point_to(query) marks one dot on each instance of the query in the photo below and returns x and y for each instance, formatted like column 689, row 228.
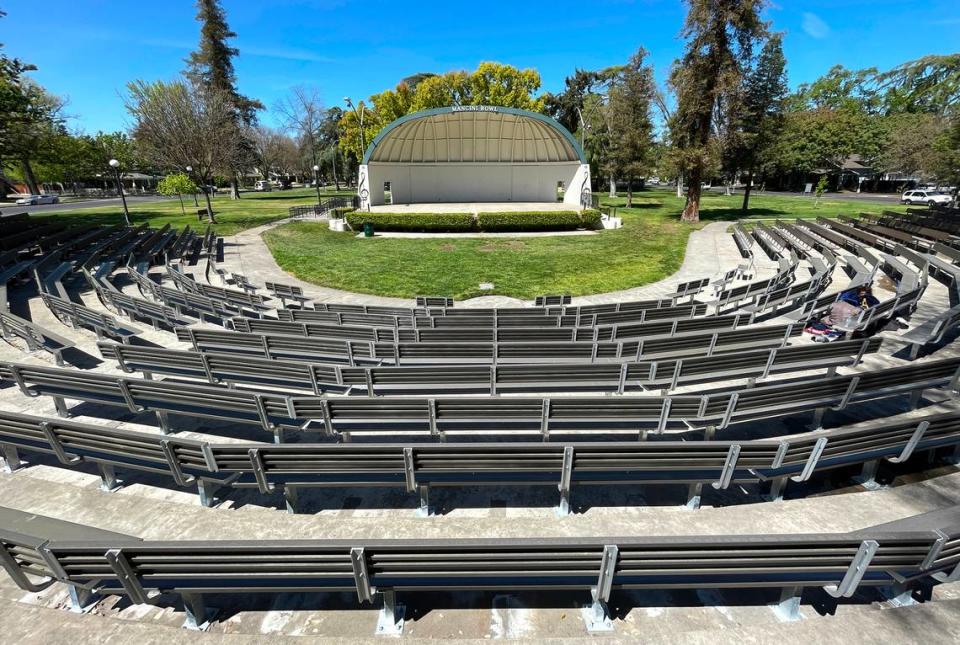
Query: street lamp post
column 363, row 142
column 196, row 204
column 116, row 173
column 316, row 183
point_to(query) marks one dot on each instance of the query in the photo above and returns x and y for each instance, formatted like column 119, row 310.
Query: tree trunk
column 29, row 177
column 630, row 193
column 234, row 188
column 336, row 182
column 195, row 202
column 691, row 211
column 679, row 185
column 746, row 192
column 613, row 186
column 180, row 197
column 210, row 216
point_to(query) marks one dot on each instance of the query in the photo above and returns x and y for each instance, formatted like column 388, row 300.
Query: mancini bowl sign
column 475, row 108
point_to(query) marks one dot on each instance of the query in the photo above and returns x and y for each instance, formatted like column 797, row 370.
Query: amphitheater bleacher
column 228, row 394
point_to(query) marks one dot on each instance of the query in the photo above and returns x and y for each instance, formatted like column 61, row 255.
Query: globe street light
column 316, row 182
column 190, row 175
column 116, row 172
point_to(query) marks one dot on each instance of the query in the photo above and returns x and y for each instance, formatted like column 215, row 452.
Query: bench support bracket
column 424, row 510
column 82, row 600
column 694, row 492
column 206, row 491
column 108, row 478
column 9, row 458
column 596, row 615
column 777, row 485
column 787, row 610
column 291, row 498
column 868, row 476
column 390, row 619
column 199, row 616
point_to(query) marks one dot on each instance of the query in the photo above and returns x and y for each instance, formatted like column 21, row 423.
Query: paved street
column 8, row 208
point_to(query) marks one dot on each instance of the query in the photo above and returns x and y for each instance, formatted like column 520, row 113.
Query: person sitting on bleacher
column 849, row 305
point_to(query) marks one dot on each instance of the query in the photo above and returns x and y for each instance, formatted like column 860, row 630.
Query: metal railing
column 324, row 208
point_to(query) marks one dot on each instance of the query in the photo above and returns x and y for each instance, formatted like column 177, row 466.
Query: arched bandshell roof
column 474, row 134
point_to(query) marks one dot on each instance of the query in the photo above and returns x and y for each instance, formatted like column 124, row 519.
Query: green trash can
column 368, row 229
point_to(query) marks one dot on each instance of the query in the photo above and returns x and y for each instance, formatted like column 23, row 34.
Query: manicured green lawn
column 649, row 247
column 233, row 215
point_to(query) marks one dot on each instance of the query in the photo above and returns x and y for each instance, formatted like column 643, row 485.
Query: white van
column 263, row 186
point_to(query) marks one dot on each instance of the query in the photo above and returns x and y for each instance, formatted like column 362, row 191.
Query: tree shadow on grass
column 726, row 214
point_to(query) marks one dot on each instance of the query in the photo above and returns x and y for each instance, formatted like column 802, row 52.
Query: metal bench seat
column 414, row 466
column 931, row 331
column 506, row 333
column 274, row 411
column 919, row 549
column 35, row 336
column 226, row 368
column 285, row 292
column 323, row 350
column 77, row 315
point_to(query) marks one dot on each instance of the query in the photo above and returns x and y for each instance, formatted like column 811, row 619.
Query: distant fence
column 324, row 208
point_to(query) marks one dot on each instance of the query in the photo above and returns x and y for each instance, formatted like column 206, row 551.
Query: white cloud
column 814, row 26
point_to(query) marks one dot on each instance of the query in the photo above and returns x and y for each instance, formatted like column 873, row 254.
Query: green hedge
column 413, row 222
column 538, row 221
column 467, row 222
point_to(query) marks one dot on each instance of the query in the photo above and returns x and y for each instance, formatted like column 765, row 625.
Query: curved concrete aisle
column 710, row 251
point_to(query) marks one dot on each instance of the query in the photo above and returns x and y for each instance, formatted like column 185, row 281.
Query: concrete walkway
column 710, row 251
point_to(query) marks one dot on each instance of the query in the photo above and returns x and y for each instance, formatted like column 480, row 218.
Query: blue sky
column 87, row 50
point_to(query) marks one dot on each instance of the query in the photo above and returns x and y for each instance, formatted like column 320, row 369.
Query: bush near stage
column 413, row 222
column 467, row 222
column 537, row 221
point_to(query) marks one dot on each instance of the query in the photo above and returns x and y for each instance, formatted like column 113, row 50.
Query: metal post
column 206, row 491
column 424, row 509
column 596, row 615
column 116, row 173
column 199, row 616
column 291, row 498
column 9, row 459
column 787, row 609
column 868, row 476
column 390, row 619
column 82, row 600
column 108, row 478
column 693, row 496
column 776, row 489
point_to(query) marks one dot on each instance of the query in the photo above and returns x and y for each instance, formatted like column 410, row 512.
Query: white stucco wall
column 466, row 182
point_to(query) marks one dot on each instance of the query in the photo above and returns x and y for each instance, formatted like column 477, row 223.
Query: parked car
column 36, row 200
column 929, row 197
column 263, row 186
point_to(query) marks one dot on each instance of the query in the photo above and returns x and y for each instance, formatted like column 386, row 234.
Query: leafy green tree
column 720, row 38
column 628, row 109
column 910, row 145
column 490, row 84
column 177, row 184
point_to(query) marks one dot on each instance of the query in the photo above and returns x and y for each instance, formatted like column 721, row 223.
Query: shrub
column 530, row 221
column 591, row 218
column 413, row 222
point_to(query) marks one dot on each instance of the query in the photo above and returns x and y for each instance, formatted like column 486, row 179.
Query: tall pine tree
column 720, row 38
column 211, row 66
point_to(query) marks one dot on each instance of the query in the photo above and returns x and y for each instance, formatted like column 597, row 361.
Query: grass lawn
column 649, row 247
column 233, row 215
